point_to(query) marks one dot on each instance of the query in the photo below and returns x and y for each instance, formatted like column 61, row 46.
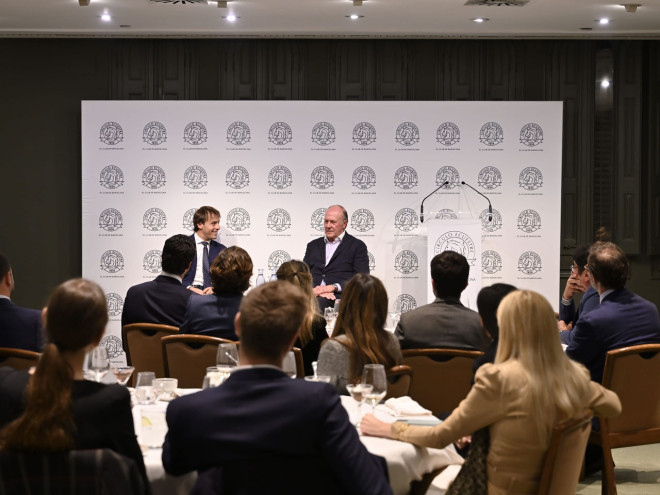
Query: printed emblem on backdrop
column 490, row 178
column 195, row 133
column 364, row 134
column 113, row 344
column 406, row 219
column 279, row 177
column 318, row 219
column 111, row 177
column 152, row 261
column 195, row 177
column 364, row 177
column 405, row 177
column 457, row 241
column 188, row 219
column 112, row 261
column 530, row 178
column 154, row 219
column 238, row 219
column 279, row 220
column 237, row 177
column 276, row 259
column 446, row 214
column 491, row 134
column 406, row 262
column 280, row 133
column 529, row 221
column 362, row 220
column 404, row 303
column 238, row 133
column 447, row 174
column 115, row 303
column 407, row 134
column 372, row 261
column 491, row 262
column 490, row 225
column 531, row 134
column 529, row 263
column 322, row 177
column 111, row 133
column 323, row 134
column 448, row 134
column 110, row 220
column 153, row 177
column 154, row 133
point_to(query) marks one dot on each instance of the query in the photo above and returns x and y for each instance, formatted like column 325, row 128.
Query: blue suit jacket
column 590, row 299
column 269, row 434
column 212, row 315
column 214, row 249
column 162, row 300
column 622, row 319
column 351, row 257
column 20, row 328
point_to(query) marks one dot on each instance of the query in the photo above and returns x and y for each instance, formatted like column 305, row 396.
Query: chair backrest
column 142, row 345
column 93, row 472
column 300, row 364
column 19, row 359
column 187, row 356
column 443, row 377
column 398, row 381
column 563, row 460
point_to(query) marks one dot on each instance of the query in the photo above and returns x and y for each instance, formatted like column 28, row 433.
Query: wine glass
column 330, row 316
column 99, row 362
column 359, row 393
column 337, row 302
column 391, row 321
column 122, row 373
column 226, row 359
column 289, row 364
column 374, row 375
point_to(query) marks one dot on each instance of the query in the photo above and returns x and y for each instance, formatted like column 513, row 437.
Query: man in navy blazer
column 336, row 257
column 579, row 281
column 206, row 221
column 263, row 432
column 20, row 328
column 621, row 319
column 162, row 300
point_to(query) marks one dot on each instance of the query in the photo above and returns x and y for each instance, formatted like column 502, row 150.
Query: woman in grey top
column 359, row 337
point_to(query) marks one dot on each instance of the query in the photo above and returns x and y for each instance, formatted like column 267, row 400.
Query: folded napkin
column 405, row 406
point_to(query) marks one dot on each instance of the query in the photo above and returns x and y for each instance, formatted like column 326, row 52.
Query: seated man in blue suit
column 580, row 282
column 263, row 432
column 206, row 222
column 334, row 258
column 621, row 319
column 162, row 300
column 20, row 328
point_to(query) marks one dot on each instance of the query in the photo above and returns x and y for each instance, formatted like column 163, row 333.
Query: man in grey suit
column 444, row 323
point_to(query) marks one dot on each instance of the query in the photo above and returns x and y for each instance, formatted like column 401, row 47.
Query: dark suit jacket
column 162, row 300
column 20, row 328
column 590, row 299
column 259, row 422
column 351, row 257
column 212, row 315
column 621, row 320
column 214, row 249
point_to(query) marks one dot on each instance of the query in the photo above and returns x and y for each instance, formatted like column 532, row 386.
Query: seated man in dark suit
column 20, row 328
column 578, row 282
column 621, row 319
column 262, row 432
column 334, row 258
column 206, row 223
column 162, row 300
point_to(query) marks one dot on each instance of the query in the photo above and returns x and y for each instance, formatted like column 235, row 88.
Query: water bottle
column 260, row 278
column 273, row 277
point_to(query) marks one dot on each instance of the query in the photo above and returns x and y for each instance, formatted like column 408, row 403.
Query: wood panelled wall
column 611, row 156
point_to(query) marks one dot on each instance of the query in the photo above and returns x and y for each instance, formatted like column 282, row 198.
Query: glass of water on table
column 359, row 393
column 374, row 375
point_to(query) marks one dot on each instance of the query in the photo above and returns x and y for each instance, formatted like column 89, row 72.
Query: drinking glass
column 99, row 362
column 165, row 388
column 289, row 364
column 330, row 318
column 337, row 302
column 226, row 359
column 144, row 390
column 391, row 321
column 122, row 373
column 374, row 375
column 359, row 393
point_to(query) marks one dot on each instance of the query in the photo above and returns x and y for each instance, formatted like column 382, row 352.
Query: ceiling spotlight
column 357, row 3
column 106, row 17
column 631, row 7
column 354, row 17
column 230, row 18
column 480, row 19
column 604, row 84
column 603, row 21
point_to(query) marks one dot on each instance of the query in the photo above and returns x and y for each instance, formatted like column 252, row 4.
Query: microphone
column 421, row 208
column 490, row 207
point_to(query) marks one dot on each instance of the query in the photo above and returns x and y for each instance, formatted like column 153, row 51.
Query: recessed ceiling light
column 230, row 17
column 124, row 25
column 604, row 84
column 603, row 20
column 354, row 17
column 106, row 17
column 480, row 19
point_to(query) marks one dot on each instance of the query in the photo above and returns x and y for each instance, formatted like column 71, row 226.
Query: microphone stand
column 490, row 207
column 421, row 207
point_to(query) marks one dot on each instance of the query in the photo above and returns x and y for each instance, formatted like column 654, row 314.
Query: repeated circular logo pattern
column 153, row 177
column 280, row 177
column 323, row 134
column 322, row 178
column 406, row 178
column 530, row 178
column 152, row 261
column 407, row 134
column 115, row 304
column 491, row 134
column 195, row 177
column 364, row 134
column 364, row 177
column 406, row 262
column 111, row 177
column 280, row 134
column 111, row 220
column 531, row 135
column 195, row 133
column 362, row 220
column 238, row 133
column 491, row 262
column 448, row 134
column 154, row 133
column 112, row 261
column 490, row 178
column 447, row 174
column 238, row 219
column 529, row 263
column 278, row 220
column 406, row 219
column 237, row 177
column 276, row 258
column 111, row 133
column 154, row 219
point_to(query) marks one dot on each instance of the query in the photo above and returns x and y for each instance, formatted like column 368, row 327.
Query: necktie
column 205, row 265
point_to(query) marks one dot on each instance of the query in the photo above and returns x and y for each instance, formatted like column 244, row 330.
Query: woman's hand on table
column 371, row 426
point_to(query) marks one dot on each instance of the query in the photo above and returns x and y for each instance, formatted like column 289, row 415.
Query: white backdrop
column 273, row 167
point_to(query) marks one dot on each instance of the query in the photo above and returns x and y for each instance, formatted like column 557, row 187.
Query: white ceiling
column 327, row 19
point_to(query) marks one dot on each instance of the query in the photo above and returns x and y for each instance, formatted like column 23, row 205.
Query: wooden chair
column 19, row 359
column 187, row 356
column 143, row 349
column 443, row 377
column 300, row 365
column 633, row 373
column 398, row 381
column 563, row 460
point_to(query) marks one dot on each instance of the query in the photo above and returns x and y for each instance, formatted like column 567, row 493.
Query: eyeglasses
column 586, row 267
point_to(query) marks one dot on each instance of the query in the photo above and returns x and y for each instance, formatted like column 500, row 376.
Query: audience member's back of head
column 580, row 256
column 608, row 265
column 231, row 271
column 297, row 273
column 178, row 251
column 449, row 271
column 4, row 266
column 488, row 301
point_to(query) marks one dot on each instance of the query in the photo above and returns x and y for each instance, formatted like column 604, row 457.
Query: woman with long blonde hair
column 531, row 386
